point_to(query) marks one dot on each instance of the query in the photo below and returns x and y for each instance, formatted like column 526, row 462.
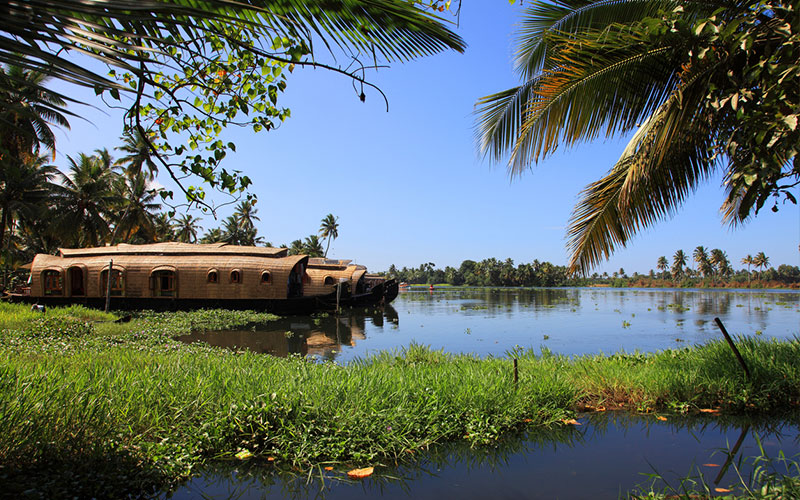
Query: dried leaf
column 329, row 468
column 361, row 473
column 710, row 465
column 722, row 490
column 708, row 410
column 270, row 459
column 663, row 419
column 570, row 421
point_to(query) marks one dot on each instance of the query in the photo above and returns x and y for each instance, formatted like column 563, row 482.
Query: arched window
column 52, row 283
column 236, row 276
column 213, row 276
column 266, row 277
column 329, row 280
column 164, row 282
column 117, row 282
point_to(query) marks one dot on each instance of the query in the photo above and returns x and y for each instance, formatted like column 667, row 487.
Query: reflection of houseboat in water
column 182, row 275
column 322, row 336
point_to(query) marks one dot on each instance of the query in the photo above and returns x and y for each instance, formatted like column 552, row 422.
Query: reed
column 76, row 393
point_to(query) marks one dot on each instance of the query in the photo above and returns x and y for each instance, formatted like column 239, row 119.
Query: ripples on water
column 493, row 321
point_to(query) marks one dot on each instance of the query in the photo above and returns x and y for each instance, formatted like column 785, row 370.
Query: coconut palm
column 162, row 227
column 761, row 261
column 245, row 214
column 137, row 222
column 720, row 263
column 145, row 36
column 84, row 199
column 186, row 228
column 214, row 235
column 25, row 187
column 662, row 265
column 312, row 246
column 296, row 248
column 597, row 67
column 138, row 153
column 700, row 256
column 678, row 264
column 748, row 261
column 27, row 109
column 329, row 230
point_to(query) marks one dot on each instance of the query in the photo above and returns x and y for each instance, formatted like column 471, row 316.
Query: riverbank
column 126, row 403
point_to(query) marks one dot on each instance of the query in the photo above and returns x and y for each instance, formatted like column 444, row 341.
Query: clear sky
column 409, row 187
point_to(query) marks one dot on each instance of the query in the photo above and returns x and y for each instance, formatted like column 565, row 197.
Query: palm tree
column 245, row 214
column 312, row 246
column 662, row 265
column 138, row 217
column 719, row 259
column 678, row 264
column 748, row 261
column 761, row 261
column 84, row 199
column 27, row 109
column 186, row 228
column 329, row 230
column 25, row 188
column 392, row 30
column 213, row 236
column 701, row 258
column 162, row 227
column 296, row 248
column 139, row 153
column 597, row 67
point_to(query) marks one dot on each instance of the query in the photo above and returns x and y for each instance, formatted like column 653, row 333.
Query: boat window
column 236, row 276
column 117, row 282
column 266, row 277
column 329, row 280
column 163, row 283
column 212, row 276
column 52, row 282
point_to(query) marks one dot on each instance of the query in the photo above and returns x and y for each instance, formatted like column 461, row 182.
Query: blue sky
column 409, row 186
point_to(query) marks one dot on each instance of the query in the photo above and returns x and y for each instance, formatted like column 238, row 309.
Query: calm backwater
column 609, row 455
column 604, row 457
column 493, row 321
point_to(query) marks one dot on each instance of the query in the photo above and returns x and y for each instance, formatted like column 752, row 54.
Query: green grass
column 140, row 409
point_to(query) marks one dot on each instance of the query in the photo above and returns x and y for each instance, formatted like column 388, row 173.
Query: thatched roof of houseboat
column 174, row 248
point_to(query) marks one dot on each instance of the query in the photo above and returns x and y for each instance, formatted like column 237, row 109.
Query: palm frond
column 41, row 35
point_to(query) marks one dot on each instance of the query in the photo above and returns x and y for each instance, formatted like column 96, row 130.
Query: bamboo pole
column 733, row 347
column 108, row 284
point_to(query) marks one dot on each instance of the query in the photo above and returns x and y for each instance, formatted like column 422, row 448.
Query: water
column 494, row 321
column 602, row 458
column 608, row 455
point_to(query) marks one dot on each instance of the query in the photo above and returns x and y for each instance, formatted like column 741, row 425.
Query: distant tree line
column 488, row 272
column 712, row 269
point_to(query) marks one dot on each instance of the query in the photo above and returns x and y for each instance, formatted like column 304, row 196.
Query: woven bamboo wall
column 318, row 273
column 191, row 273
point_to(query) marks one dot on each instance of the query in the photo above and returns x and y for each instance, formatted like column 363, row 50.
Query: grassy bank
column 128, row 403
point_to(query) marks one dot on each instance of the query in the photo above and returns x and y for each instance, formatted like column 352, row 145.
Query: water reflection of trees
column 318, row 483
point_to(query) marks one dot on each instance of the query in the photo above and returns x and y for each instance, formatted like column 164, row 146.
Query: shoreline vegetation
column 92, row 407
column 711, row 272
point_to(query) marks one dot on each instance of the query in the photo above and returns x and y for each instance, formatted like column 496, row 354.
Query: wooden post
column 733, row 347
column 108, row 285
column 516, row 373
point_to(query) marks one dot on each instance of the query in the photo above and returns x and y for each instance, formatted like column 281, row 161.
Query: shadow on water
column 605, row 457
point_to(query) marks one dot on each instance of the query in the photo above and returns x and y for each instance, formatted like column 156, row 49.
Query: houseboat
column 173, row 276
column 185, row 276
column 347, row 283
